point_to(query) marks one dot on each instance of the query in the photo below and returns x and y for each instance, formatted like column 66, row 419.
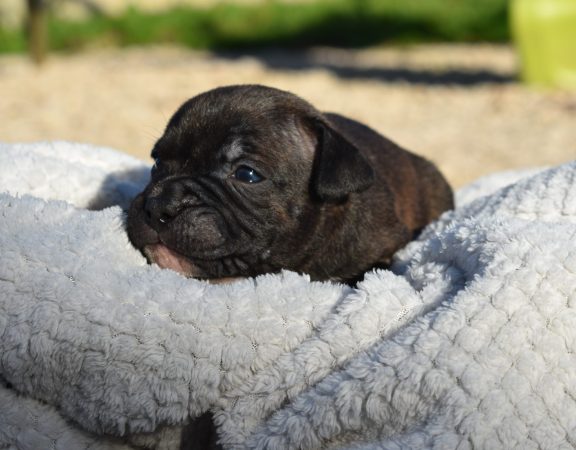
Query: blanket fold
column 467, row 342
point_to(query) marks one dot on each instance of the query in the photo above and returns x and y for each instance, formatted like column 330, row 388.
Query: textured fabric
column 468, row 342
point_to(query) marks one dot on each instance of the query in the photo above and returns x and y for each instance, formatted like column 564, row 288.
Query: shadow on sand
column 302, row 61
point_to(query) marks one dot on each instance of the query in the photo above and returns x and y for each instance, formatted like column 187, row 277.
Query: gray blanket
column 467, row 342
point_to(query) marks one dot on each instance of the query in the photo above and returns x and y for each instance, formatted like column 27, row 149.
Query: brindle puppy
column 249, row 180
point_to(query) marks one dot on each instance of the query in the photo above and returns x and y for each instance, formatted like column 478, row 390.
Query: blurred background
column 476, row 86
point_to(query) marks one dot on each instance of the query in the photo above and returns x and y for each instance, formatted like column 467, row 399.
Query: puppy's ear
column 339, row 167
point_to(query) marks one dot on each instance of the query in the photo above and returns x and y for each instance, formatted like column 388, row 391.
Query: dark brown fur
column 337, row 198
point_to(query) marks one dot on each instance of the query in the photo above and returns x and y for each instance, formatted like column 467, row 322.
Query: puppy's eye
column 247, row 174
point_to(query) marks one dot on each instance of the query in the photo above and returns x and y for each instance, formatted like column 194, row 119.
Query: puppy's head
column 241, row 177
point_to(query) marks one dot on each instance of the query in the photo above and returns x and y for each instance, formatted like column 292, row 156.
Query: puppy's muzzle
column 183, row 220
column 167, row 200
column 160, row 211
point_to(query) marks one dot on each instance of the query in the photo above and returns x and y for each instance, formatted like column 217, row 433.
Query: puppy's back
column 421, row 193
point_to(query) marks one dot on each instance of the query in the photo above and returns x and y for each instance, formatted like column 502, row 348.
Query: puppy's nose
column 159, row 210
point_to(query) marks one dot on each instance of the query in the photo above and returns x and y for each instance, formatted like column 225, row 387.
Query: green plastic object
column 545, row 35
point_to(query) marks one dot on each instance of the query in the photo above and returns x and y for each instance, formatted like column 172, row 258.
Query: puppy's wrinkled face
column 229, row 187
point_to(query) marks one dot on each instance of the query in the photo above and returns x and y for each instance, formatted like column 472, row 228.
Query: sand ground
column 457, row 105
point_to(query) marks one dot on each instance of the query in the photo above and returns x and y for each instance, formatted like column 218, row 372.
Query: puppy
column 249, row 180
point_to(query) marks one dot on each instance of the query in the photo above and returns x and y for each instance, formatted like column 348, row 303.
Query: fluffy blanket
column 468, row 341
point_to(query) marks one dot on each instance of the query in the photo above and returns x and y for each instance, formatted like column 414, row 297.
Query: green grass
column 345, row 23
column 12, row 41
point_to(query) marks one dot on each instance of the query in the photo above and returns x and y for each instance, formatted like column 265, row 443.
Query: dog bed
column 468, row 341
